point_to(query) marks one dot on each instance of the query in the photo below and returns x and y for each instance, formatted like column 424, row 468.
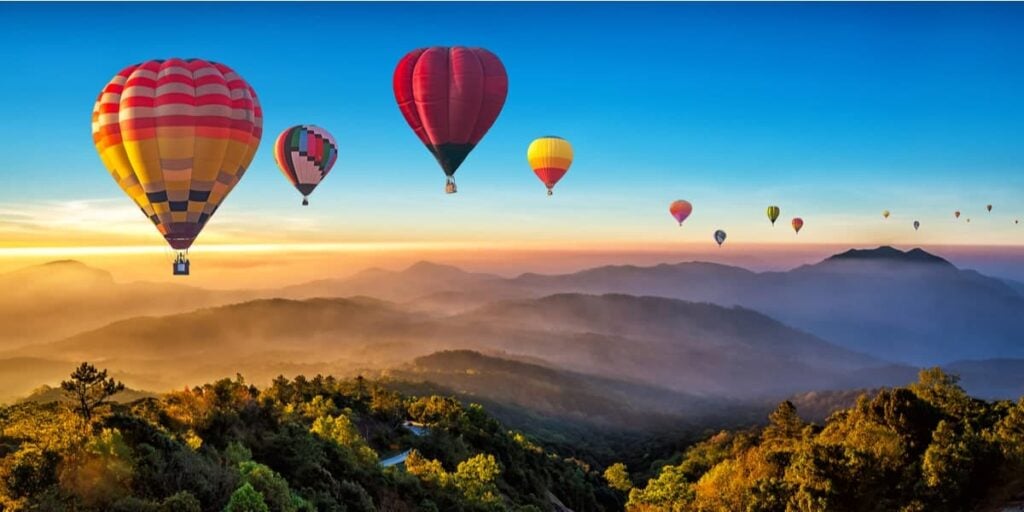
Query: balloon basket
column 305, row 201
column 181, row 265
column 449, row 186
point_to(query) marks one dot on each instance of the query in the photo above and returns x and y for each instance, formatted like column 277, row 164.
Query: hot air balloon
column 968, row 220
column 988, row 207
column 720, row 237
column 885, row 213
column 177, row 136
column 797, row 224
column 680, row 210
column 956, row 214
column 450, row 97
column 550, row 158
column 305, row 154
column 773, row 213
column 916, row 225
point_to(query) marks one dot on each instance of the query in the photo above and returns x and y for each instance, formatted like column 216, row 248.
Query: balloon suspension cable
column 305, row 201
column 449, row 185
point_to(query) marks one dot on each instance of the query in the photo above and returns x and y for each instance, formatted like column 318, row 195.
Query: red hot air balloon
column 450, row 97
column 680, row 210
column 797, row 224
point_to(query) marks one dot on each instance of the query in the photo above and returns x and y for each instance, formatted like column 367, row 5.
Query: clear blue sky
column 834, row 111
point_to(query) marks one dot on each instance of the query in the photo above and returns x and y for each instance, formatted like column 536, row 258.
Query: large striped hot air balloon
column 680, row 210
column 550, row 158
column 450, row 97
column 177, row 135
column 773, row 214
column 305, row 154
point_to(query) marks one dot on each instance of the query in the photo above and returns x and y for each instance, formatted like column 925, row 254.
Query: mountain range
column 685, row 332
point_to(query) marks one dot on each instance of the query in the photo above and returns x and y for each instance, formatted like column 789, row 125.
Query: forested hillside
column 298, row 445
column 926, row 447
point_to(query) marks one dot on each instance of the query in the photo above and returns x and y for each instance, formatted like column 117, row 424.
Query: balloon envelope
column 797, row 224
column 956, row 214
column 988, row 207
column 450, row 97
column 550, row 158
column 177, row 135
column 305, row 154
column 720, row 237
column 680, row 210
column 916, row 225
column 773, row 213
column 885, row 213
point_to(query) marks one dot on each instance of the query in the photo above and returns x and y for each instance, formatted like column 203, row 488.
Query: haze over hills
column 558, row 393
column 845, row 322
column 58, row 299
column 664, row 342
column 907, row 306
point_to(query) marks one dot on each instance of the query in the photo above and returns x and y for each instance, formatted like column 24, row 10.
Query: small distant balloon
column 885, row 213
column 988, row 207
column 680, row 210
column 773, row 213
column 720, row 237
column 916, row 225
column 550, row 158
column 305, row 154
column 956, row 214
column 797, row 224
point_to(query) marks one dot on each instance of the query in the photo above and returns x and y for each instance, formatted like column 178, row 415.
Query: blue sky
column 833, row 111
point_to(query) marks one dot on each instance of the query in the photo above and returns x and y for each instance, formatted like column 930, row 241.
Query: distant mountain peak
column 429, row 266
column 64, row 263
column 59, row 270
column 889, row 254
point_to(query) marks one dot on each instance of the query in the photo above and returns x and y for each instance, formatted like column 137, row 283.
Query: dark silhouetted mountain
column 890, row 255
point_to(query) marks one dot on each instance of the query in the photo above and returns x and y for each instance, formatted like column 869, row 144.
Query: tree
column 246, row 499
column 182, row 501
column 783, row 423
column 476, row 476
column 344, row 434
column 90, row 388
column 618, row 477
column 943, row 391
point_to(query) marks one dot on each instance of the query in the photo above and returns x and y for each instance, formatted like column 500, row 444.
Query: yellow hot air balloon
column 550, row 158
column 885, row 213
column 773, row 213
